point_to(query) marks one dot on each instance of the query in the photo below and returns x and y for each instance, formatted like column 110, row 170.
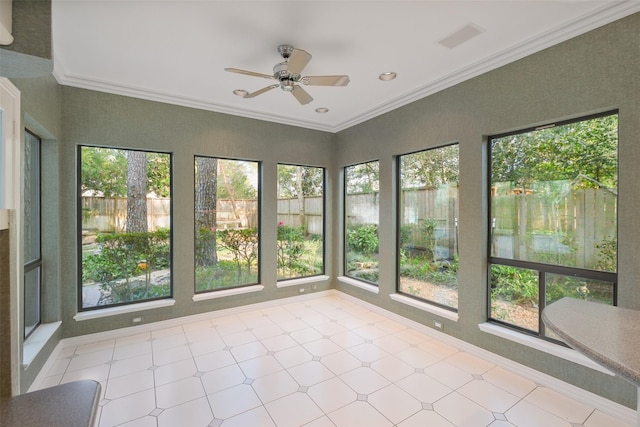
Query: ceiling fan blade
column 249, row 73
column 298, row 60
column 325, row 80
column 301, row 95
column 260, row 92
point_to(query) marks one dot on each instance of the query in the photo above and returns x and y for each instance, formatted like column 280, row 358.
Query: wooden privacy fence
column 551, row 219
column 563, row 223
column 109, row 215
column 435, row 209
column 289, row 214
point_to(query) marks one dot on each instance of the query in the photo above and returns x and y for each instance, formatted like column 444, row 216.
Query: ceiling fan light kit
column 288, row 74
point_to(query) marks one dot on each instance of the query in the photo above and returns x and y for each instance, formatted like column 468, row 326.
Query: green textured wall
column 596, row 72
column 96, row 118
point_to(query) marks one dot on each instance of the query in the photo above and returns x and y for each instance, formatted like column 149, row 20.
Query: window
column 361, row 206
column 300, row 221
column 553, row 218
column 428, row 225
column 126, row 240
column 32, row 228
column 226, row 223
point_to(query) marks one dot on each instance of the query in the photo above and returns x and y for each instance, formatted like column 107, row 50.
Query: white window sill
column 302, row 281
column 123, row 309
column 542, row 345
column 37, row 341
column 425, row 306
column 359, row 284
column 227, row 292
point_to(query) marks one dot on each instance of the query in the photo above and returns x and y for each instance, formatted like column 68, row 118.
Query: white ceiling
column 175, row 51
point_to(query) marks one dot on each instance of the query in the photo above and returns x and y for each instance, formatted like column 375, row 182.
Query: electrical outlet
column 438, row 325
column 136, row 320
column 301, row 290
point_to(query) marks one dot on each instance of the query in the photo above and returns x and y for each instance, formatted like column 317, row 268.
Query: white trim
column 359, row 284
column 36, row 342
column 425, row 306
column 301, row 281
column 10, row 144
column 542, row 345
column 123, row 309
column 226, row 293
column 11, row 184
column 609, row 12
column 606, row 406
column 178, row 321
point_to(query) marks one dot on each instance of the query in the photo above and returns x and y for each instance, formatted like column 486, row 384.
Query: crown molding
column 587, row 22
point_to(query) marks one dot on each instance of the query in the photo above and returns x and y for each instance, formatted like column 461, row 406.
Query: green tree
column 136, row 192
column 585, row 150
column 430, row 168
column 363, row 178
column 234, row 183
column 159, row 174
column 103, row 170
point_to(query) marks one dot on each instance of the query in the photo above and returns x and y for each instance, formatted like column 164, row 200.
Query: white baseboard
column 593, row 400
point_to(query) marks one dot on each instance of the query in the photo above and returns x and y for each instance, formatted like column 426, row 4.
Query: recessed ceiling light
column 322, row 110
column 240, row 92
column 389, row 75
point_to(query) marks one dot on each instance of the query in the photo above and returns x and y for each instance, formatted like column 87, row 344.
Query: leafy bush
column 363, row 238
column 121, row 257
column 513, row 284
column 242, row 243
column 222, row 275
column 607, row 255
column 292, row 252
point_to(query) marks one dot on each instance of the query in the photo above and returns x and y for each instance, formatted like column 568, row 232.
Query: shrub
column 123, row 255
column 363, row 238
column 517, row 285
column 242, row 243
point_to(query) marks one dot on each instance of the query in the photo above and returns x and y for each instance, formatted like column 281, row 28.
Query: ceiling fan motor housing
column 286, row 79
column 287, row 73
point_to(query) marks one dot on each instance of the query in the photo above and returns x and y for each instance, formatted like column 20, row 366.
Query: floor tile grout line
column 192, row 356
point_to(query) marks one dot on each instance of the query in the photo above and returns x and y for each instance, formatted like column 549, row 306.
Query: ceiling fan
column 289, row 77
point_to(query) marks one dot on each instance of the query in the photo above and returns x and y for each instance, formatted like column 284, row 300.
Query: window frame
column 79, row 224
column 324, row 222
column 344, row 222
column 541, row 268
column 258, row 219
column 35, row 264
column 398, row 207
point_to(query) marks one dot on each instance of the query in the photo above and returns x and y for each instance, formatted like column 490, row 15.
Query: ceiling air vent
column 463, row 35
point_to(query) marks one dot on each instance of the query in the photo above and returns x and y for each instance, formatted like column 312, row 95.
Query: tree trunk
column 136, row 192
column 206, row 200
column 301, row 211
column 230, row 192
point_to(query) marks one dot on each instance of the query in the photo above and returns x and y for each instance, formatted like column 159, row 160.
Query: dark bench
column 67, row 405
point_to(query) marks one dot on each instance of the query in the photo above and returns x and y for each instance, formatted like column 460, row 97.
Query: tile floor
column 323, row 362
